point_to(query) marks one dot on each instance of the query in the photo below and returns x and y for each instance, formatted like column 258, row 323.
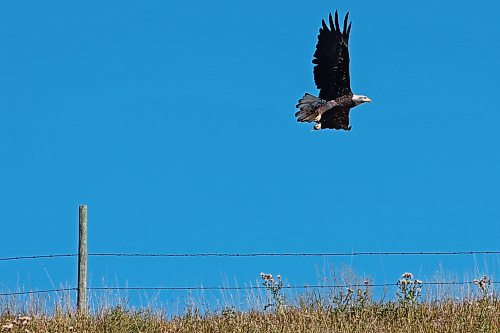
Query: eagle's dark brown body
column 337, row 116
column 332, row 114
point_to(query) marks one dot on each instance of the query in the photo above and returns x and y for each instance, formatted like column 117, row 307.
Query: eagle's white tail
column 308, row 106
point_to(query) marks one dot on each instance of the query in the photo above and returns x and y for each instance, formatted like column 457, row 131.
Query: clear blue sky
column 173, row 121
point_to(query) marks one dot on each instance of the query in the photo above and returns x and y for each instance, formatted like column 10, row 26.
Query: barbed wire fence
column 261, row 254
column 82, row 256
column 221, row 288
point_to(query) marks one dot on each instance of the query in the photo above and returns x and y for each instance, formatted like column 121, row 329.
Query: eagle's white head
column 360, row 99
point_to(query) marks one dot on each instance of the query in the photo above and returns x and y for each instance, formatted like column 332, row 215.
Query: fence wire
column 322, row 286
column 42, row 256
column 34, row 292
column 261, row 254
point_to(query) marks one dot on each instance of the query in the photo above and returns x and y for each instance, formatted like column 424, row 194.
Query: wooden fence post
column 81, row 302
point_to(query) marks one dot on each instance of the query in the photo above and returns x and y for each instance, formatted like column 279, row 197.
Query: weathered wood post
column 81, row 302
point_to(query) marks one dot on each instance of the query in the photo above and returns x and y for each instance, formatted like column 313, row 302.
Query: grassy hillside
column 337, row 310
column 448, row 316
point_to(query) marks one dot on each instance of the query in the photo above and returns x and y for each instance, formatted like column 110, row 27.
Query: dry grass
column 477, row 316
column 336, row 310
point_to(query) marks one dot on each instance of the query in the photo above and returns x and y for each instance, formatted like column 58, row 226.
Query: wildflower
column 7, row 326
column 418, row 281
column 265, row 276
column 24, row 320
column 367, row 282
column 476, row 282
column 403, row 282
column 407, row 275
column 278, row 277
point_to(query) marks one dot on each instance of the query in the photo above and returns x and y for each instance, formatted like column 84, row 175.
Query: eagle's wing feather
column 331, row 59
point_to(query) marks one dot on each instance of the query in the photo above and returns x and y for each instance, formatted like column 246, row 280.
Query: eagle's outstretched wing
column 331, row 59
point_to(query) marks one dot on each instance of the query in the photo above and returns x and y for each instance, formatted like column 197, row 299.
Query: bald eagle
column 331, row 75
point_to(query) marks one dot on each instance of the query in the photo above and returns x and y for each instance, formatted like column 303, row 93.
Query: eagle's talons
column 318, row 118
